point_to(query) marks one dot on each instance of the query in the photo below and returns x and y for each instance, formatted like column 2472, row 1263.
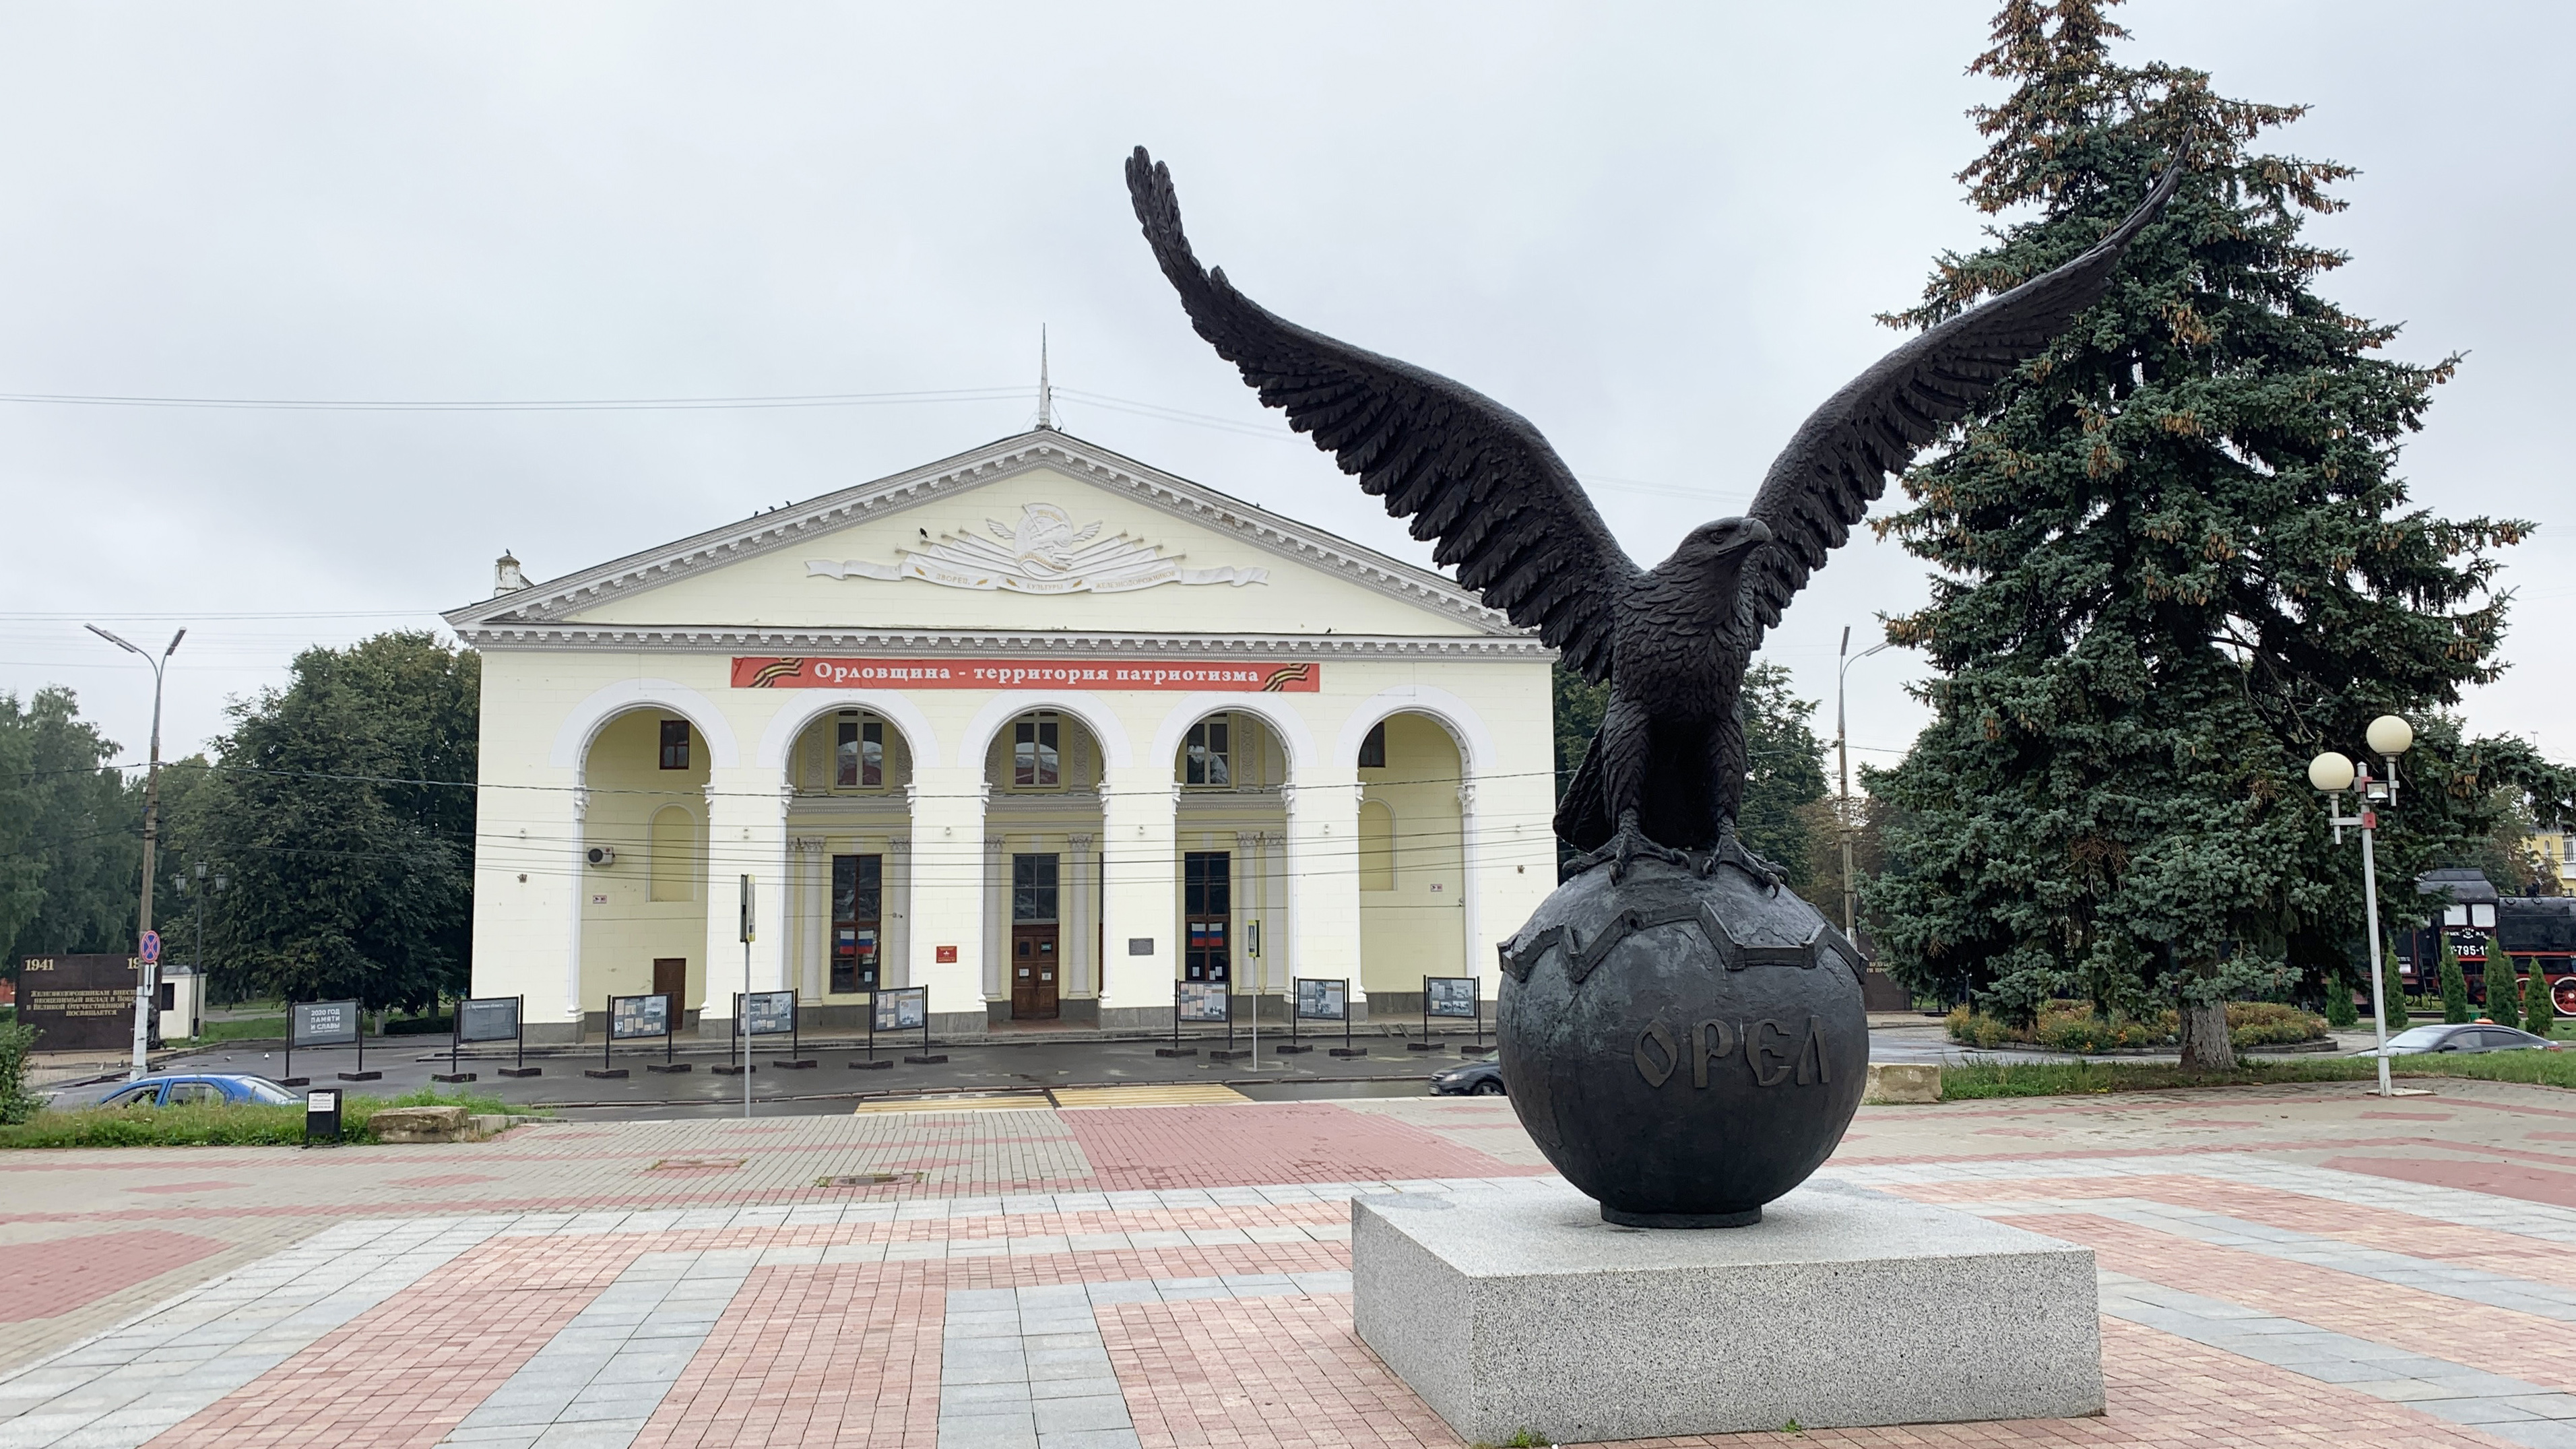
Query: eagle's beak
column 1753, row 534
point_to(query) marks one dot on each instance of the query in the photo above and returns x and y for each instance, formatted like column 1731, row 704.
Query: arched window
column 858, row 752
column 1037, row 760
column 1377, row 846
column 675, row 854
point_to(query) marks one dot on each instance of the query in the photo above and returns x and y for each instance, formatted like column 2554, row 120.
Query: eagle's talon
column 1625, row 845
column 1730, row 850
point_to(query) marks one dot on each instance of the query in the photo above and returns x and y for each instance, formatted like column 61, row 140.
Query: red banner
column 1260, row 676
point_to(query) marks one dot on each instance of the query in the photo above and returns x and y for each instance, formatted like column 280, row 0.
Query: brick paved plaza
column 2282, row 1267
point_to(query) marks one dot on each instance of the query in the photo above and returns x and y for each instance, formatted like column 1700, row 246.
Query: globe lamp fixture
column 2331, row 772
column 2390, row 735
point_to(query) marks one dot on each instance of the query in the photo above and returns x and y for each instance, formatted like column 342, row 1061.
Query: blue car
column 179, row 1089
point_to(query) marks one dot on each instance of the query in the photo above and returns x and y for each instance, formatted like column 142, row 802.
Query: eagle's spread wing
column 1468, row 471
column 1838, row 462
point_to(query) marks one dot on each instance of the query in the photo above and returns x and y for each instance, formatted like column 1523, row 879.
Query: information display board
column 325, row 1024
column 902, row 1008
column 1456, row 998
column 322, row 1023
column 1204, row 1001
column 78, row 1003
column 488, row 1018
column 1449, row 996
column 769, row 1013
column 485, row 1019
column 1320, row 998
column 630, row 1017
column 634, row 1017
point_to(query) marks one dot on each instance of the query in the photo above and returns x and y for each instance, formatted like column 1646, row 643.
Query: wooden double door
column 1035, row 971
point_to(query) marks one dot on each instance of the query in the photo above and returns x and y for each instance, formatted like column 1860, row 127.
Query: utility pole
column 143, row 979
column 1842, row 752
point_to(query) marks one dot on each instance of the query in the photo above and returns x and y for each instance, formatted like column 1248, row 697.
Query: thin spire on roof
column 1046, row 393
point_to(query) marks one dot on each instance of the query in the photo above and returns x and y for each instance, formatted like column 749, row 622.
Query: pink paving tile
column 1178, row 1147
column 813, row 1356
column 60, row 1274
column 2505, row 1179
column 1266, row 1371
column 209, row 1186
column 408, row 1370
column 442, row 1179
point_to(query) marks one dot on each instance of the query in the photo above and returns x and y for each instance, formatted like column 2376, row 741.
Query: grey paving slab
column 596, row 1383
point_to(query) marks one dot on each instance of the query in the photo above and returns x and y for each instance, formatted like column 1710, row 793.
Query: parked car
column 177, row 1089
column 1473, row 1079
column 2475, row 1037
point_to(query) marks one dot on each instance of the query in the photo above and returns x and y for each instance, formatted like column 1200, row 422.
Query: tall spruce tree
column 2173, row 561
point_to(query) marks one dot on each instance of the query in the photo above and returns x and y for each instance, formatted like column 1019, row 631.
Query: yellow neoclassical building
column 1038, row 727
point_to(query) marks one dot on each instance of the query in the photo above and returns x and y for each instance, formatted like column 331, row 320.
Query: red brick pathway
column 406, row 1371
column 832, row 1355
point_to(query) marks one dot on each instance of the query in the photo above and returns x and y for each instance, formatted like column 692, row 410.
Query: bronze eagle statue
column 1664, row 774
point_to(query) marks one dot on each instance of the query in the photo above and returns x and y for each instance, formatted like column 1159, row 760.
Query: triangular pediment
column 1040, row 532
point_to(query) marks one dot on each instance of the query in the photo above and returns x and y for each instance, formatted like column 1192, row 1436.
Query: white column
column 1481, row 962
column 746, row 835
column 580, row 884
column 1074, row 940
column 1324, row 874
column 946, row 899
column 807, row 938
column 997, row 918
column 1142, row 899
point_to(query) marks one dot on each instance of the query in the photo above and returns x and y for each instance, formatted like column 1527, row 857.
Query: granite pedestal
column 1517, row 1308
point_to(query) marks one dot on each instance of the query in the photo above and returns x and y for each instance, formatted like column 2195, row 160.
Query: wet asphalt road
column 832, row 1085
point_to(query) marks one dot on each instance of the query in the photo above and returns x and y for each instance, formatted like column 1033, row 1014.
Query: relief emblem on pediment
column 1044, row 552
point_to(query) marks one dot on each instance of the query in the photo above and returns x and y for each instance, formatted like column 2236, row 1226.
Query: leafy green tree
column 2173, row 561
column 71, row 832
column 2392, row 988
column 1579, row 707
column 1785, row 775
column 2455, row 987
column 2537, row 1017
column 341, row 808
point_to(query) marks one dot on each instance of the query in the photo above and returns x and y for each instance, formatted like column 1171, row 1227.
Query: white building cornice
column 803, row 524
column 926, row 643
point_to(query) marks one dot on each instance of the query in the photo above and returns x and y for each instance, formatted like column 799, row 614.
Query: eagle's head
column 1723, row 543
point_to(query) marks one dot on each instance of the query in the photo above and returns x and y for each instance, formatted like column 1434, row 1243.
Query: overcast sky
column 1659, row 232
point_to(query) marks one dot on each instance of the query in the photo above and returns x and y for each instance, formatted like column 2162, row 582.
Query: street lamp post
column 2332, row 774
column 151, row 835
column 1842, row 752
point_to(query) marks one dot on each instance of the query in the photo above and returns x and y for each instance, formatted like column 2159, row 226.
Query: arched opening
column 643, row 888
column 1230, row 839
column 1412, row 859
column 849, row 842
column 1043, row 770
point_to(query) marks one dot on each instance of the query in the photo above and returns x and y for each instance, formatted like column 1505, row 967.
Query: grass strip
column 1985, row 1078
column 236, row 1125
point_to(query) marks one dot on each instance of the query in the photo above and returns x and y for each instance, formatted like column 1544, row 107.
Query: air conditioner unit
column 600, row 855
